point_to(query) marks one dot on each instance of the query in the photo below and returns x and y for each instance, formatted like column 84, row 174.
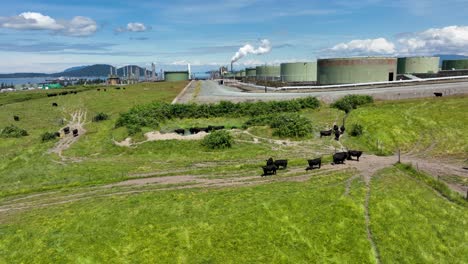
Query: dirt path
column 77, row 121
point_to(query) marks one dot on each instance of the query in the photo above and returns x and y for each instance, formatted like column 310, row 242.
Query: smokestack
column 189, row 70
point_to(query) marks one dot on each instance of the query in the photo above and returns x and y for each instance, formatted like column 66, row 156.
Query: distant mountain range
column 97, row 70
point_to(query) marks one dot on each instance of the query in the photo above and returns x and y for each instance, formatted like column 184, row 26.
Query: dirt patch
column 77, row 121
column 157, row 136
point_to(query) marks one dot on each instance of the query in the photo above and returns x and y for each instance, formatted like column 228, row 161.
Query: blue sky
column 51, row 35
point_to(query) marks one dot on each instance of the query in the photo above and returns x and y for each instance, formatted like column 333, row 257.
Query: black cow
column 16, row 118
column 335, row 128
column 98, row 89
column 337, row 135
column 117, row 88
column 313, row 163
column 57, row 134
column 281, row 163
column 75, row 132
column 340, row 157
column 325, row 133
column 342, row 129
column 354, row 153
column 438, row 94
column 123, row 88
column 194, row 130
column 54, row 104
column 105, row 90
column 270, row 162
column 180, row 131
column 66, row 130
column 269, row 170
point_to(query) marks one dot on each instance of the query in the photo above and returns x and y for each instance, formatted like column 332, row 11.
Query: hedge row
column 284, row 125
column 350, row 102
column 151, row 115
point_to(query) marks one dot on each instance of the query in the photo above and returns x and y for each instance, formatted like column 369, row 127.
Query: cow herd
column 336, row 131
column 61, row 93
column 196, row 130
column 338, row 158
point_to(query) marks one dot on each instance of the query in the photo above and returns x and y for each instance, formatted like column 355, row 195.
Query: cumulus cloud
column 78, row 26
column 451, row 39
column 133, row 27
column 446, row 40
column 365, row 46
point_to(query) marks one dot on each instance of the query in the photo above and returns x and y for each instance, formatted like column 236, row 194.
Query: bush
column 13, row 132
column 356, row 130
column 100, row 117
column 283, row 125
column 350, row 102
column 218, row 140
column 47, row 136
column 151, row 115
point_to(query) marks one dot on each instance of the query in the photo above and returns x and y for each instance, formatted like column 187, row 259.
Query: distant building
column 113, row 80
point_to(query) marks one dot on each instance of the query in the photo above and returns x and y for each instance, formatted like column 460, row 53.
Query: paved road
column 211, row 92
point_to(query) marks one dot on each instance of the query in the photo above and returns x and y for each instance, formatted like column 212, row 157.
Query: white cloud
column 265, row 47
column 79, row 26
column 365, row 46
column 133, row 27
column 451, row 39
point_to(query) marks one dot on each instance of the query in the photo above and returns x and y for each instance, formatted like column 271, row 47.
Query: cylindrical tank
column 268, row 73
column 243, row 74
column 418, row 65
column 448, row 65
column 299, row 72
column 356, row 70
column 251, row 72
column 176, row 76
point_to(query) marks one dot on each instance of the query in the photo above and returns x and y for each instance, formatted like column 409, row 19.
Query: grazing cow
column 98, row 89
column 214, row 128
column 438, row 94
column 16, row 118
column 269, row 170
column 233, row 127
column 54, row 104
column 281, row 163
column 325, row 133
column 204, row 129
column 180, row 131
column 57, row 134
column 342, row 129
column 269, row 162
column 337, row 135
column 105, row 90
column 123, row 88
column 313, row 163
column 194, row 130
column 66, row 130
column 354, row 153
column 335, row 128
column 75, row 132
column 339, row 158
column 117, row 88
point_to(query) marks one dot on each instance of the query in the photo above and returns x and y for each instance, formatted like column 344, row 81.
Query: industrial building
column 356, row 70
column 268, row 73
column 299, row 72
column 410, row 65
column 176, row 76
column 448, row 65
column 251, row 73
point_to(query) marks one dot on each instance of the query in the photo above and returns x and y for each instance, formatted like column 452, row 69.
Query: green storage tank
column 243, row 74
column 251, row 73
column 448, row 65
column 268, row 73
column 299, row 72
column 356, row 70
column 418, row 65
column 176, row 76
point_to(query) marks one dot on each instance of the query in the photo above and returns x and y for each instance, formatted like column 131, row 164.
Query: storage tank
column 448, row 65
column 243, row 74
column 356, row 70
column 251, row 72
column 299, row 72
column 268, row 73
column 418, row 65
column 176, row 76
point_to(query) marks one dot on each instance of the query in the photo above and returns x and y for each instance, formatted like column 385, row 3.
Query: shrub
column 284, row 125
column 218, row 140
column 350, row 102
column 47, row 136
column 356, row 130
column 100, row 117
column 151, row 115
column 13, row 132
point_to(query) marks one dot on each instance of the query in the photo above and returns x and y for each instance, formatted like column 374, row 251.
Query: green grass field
column 293, row 217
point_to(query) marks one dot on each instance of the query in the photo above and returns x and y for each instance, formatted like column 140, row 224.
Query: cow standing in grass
column 313, row 163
